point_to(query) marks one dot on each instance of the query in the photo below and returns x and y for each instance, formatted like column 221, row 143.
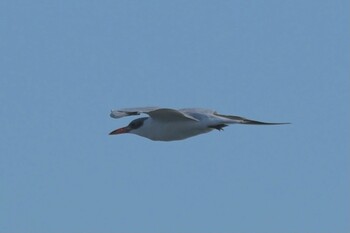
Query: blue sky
column 65, row 64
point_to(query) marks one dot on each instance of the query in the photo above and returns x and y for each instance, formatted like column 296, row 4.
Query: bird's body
column 160, row 131
column 165, row 124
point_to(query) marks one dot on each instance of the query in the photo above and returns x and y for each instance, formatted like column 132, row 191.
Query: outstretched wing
column 161, row 114
column 242, row 120
column 131, row 111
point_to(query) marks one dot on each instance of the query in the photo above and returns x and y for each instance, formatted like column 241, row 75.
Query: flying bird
column 166, row 124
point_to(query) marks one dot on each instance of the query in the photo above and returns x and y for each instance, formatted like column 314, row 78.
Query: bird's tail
column 242, row 120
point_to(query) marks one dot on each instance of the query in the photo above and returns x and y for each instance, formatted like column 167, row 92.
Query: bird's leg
column 218, row 127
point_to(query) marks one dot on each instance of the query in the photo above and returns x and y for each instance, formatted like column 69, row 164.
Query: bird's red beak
column 120, row 131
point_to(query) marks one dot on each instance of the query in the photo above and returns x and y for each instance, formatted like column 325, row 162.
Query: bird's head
column 133, row 127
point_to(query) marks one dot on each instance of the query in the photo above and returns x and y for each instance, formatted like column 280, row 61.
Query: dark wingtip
column 251, row 122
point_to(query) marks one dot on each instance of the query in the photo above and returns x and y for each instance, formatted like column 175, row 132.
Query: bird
column 166, row 124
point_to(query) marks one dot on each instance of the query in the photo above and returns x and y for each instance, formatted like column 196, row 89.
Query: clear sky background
column 65, row 64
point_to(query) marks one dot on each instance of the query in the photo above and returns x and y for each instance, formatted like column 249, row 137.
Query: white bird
column 166, row 124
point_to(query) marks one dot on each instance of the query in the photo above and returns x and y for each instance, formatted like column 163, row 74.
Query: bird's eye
column 134, row 125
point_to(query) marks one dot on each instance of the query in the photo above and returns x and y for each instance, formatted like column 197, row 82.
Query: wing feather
column 131, row 111
column 162, row 114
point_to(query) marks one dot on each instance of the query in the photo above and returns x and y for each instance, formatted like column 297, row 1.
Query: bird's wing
column 198, row 113
column 131, row 111
column 162, row 114
column 242, row 120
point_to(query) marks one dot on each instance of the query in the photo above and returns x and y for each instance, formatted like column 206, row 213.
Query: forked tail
column 242, row 120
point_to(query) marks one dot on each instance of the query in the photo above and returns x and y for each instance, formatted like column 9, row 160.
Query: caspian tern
column 166, row 124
